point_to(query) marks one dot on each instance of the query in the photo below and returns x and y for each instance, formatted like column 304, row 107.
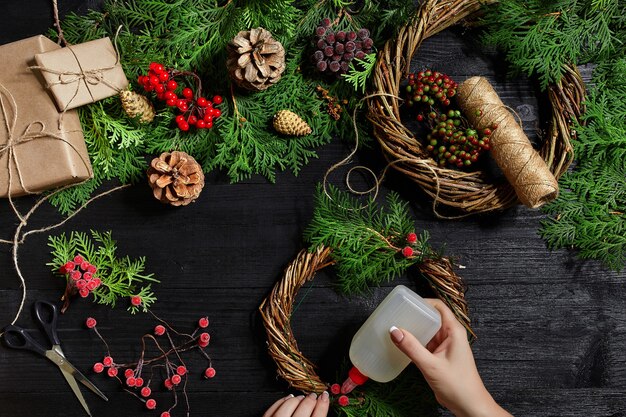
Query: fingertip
column 396, row 334
column 324, row 397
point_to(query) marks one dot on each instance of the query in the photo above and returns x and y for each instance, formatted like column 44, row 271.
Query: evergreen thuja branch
column 371, row 243
column 589, row 214
column 360, row 71
column 90, row 265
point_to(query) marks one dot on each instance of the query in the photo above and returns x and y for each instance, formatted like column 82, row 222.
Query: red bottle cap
column 355, row 378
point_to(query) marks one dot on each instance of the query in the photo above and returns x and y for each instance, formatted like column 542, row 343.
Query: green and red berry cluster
column 452, row 143
column 80, row 276
column 430, row 87
column 169, row 364
column 196, row 110
column 335, row 50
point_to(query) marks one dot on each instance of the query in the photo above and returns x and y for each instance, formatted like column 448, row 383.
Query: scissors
column 46, row 315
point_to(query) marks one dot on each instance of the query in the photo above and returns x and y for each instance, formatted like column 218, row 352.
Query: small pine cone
column 176, row 178
column 136, row 105
column 256, row 60
column 289, row 123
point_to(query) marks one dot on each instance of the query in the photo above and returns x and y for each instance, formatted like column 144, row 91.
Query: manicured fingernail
column 396, row 334
column 288, row 397
column 324, row 396
column 300, row 397
column 313, row 396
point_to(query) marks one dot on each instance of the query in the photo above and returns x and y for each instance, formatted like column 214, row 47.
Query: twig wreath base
column 277, row 308
column 467, row 192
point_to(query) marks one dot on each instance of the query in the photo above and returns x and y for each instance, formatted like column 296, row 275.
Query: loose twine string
column 35, row 130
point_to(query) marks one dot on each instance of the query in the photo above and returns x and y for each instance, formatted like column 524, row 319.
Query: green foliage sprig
column 541, row 37
column 367, row 240
column 191, row 35
column 121, row 277
column 405, row 396
column 360, row 71
column 590, row 213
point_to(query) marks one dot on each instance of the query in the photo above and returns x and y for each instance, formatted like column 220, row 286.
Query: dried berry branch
column 170, row 363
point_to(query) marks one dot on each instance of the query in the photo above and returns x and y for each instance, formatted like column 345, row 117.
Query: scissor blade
column 72, row 382
column 69, row 369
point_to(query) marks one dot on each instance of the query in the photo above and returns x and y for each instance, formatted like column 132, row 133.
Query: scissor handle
column 47, row 314
column 17, row 338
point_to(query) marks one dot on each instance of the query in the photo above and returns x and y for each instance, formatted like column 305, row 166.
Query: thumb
column 411, row 347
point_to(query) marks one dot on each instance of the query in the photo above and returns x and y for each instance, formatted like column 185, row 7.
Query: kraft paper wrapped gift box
column 36, row 153
column 83, row 73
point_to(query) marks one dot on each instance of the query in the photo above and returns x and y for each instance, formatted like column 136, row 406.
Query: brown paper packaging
column 43, row 162
column 82, row 74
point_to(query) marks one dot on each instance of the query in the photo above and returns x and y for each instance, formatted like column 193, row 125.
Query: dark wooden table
column 551, row 328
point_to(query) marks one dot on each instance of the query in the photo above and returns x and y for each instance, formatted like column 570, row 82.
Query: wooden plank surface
column 552, row 329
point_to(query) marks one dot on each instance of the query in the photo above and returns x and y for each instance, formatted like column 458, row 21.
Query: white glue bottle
column 372, row 353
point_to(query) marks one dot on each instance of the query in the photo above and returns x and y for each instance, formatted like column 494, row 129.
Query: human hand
column 301, row 406
column 448, row 366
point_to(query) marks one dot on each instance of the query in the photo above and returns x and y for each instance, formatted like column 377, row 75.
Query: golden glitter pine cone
column 137, row 105
column 290, row 124
column 256, row 60
column 176, row 178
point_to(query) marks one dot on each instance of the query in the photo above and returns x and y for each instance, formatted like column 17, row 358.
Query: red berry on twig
column 411, row 238
column 176, row 379
column 98, row 367
column 151, row 404
column 209, row 372
column 407, row 251
column 107, row 361
column 145, row 392
column 217, row 99
column 90, row 322
column 159, row 330
column 335, row 389
column 181, row 370
column 135, row 300
column 203, row 322
column 165, row 414
column 128, row 373
column 343, row 401
column 112, row 372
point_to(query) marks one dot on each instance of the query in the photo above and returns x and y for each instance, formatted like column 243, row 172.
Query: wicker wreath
column 277, row 308
column 467, row 192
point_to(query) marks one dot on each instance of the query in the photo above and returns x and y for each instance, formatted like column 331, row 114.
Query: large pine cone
column 176, row 178
column 256, row 61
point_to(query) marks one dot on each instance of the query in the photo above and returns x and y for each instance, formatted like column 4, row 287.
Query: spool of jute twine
column 511, row 149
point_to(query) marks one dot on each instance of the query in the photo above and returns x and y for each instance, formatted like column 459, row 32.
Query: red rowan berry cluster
column 195, row 109
column 140, row 378
column 81, row 276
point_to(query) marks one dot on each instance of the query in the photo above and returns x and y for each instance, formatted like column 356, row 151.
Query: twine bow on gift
column 34, row 130
column 86, row 77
